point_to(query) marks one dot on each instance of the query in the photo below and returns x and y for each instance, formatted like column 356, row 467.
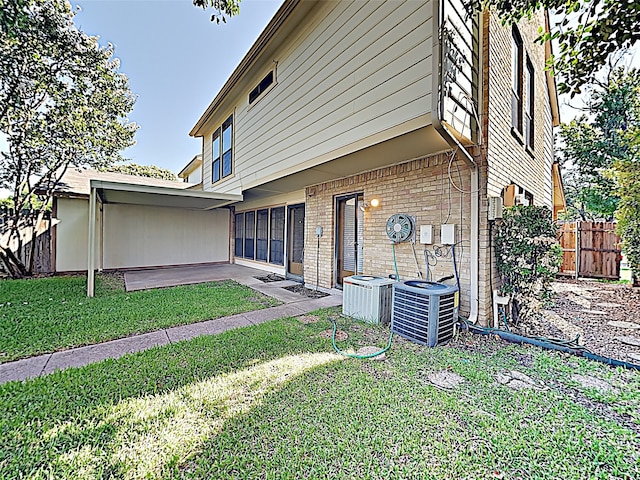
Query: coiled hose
column 354, row 355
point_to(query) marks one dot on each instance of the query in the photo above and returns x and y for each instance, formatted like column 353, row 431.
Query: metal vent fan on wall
column 400, row 227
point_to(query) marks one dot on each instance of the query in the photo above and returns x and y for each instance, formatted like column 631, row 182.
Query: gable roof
column 190, row 167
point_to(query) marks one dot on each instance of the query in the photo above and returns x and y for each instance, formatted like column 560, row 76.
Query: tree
column 222, row 8
column 592, row 144
column 63, row 103
column 587, row 33
column 142, row 171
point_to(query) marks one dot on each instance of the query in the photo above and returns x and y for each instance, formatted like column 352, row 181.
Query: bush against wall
column 628, row 175
column 528, row 256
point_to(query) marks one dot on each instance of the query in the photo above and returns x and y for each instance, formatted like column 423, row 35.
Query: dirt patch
column 594, row 311
column 306, row 319
column 445, row 379
column 270, row 278
column 340, row 334
column 306, row 292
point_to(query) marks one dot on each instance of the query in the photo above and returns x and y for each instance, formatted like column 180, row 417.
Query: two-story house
column 344, row 113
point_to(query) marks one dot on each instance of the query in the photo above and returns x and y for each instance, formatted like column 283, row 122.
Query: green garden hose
column 353, row 355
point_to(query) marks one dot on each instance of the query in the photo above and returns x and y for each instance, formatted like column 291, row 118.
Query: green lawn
column 273, row 401
column 50, row 314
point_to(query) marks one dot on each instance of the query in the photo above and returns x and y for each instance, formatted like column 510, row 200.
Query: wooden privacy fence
column 590, row 249
column 40, row 239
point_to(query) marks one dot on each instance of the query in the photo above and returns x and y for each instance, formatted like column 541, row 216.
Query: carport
column 132, row 204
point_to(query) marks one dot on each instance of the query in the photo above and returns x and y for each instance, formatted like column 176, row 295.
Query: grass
column 273, row 401
column 51, row 314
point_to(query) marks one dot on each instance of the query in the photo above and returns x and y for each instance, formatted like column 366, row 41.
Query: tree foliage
column 223, row 9
column 63, row 103
column 593, row 143
column 588, row 32
column 151, row 171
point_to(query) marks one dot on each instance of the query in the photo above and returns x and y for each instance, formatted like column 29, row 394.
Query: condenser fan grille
column 399, row 227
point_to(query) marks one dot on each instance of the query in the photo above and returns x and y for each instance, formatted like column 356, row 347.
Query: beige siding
column 358, row 69
column 291, row 198
column 72, row 233
column 141, row 236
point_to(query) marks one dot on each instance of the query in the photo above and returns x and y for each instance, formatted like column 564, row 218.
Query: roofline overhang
column 249, row 59
column 225, row 198
column 190, row 167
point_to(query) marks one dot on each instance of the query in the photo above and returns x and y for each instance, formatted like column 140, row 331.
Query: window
column 528, row 125
column 262, row 234
column 215, row 149
column 259, row 235
column 276, row 253
column 238, row 234
column 262, row 86
column 249, row 234
column 516, row 80
column 227, row 140
column 222, row 151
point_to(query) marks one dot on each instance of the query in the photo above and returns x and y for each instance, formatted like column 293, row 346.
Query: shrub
column 528, row 257
column 628, row 174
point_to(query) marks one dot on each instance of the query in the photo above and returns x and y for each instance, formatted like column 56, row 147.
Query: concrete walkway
column 293, row 305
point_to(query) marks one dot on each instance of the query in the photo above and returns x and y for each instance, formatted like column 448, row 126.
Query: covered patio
column 140, row 226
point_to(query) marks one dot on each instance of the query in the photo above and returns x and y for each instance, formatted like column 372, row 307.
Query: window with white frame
column 222, row 151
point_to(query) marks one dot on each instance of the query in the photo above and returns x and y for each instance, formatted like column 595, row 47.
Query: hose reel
column 400, row 227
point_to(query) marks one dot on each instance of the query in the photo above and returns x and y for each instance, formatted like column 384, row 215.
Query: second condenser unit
column 424, row 312
column 367, row 298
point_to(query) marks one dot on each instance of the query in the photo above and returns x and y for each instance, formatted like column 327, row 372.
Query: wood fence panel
column 567, row 238
column 596, row 246
column 599, row 250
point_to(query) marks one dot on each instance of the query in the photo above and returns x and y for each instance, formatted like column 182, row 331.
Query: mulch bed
column 593, row 310
column 306, row 292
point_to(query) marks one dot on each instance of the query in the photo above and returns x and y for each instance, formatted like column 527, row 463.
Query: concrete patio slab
column 172, row 276
column 79, row 357
column 23, row 369
column 210, row 327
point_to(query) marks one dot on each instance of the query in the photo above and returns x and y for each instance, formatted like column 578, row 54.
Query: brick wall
column 508, row 160
column 421, row 188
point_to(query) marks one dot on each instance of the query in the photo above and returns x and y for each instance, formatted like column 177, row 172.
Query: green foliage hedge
column 528, row 256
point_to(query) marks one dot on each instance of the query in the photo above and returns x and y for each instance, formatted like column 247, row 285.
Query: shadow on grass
column 136, row 416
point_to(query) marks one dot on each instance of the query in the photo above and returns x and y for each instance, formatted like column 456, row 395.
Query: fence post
column 577, row 249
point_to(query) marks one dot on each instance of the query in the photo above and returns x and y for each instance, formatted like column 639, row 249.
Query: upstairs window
column 222, row 151
column 215, row 148
column 264, row 84
column 516, row 80
column 528, row 115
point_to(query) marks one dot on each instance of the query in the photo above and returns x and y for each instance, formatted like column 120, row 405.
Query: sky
column 176, row 60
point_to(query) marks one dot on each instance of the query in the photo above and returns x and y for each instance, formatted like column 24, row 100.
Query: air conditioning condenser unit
column 424, row 312
column 367, row 298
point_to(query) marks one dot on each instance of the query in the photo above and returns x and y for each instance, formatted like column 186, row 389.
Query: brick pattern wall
column 508, row 160
column 503, row 159
column 422, row 188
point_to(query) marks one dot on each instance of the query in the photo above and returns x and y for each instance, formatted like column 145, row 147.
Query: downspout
column 442, row 128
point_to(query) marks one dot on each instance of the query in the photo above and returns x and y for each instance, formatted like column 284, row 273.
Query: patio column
column 91, row 243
